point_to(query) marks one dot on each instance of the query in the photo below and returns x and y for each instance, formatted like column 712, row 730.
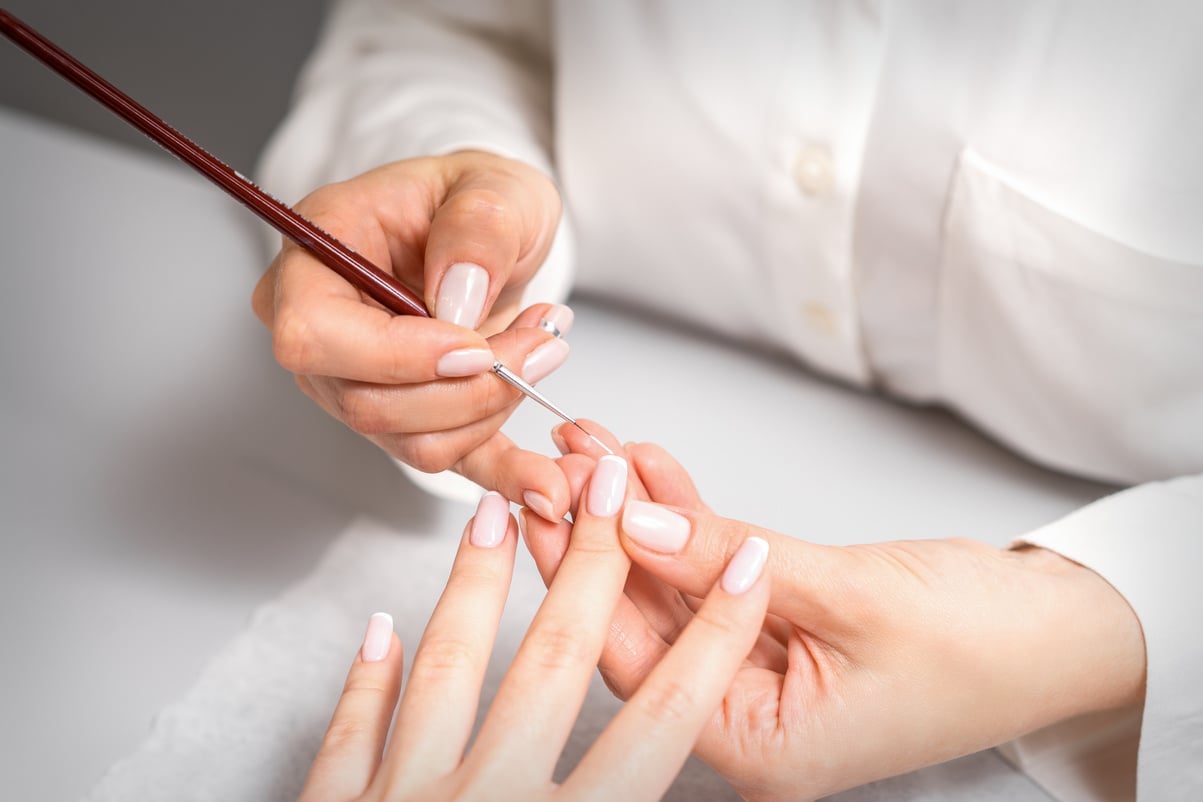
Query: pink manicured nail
column 558, row 320
column 655, row 527
column 608, row 487
column 541, row 504
column 378, row 638
column 544, row 359
column 491, row 520
column 746, row 566
column 464, row 362
column 462, row 294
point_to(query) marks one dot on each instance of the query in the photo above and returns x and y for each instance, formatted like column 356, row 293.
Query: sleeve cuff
column 1148, row 543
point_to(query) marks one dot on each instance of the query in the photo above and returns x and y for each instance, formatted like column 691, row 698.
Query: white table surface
column 162, row 477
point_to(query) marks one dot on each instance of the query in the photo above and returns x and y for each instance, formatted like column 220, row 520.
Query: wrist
column 1096, row 647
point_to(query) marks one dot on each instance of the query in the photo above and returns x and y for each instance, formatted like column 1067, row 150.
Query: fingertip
column 746, row 566
column 515, row 472
column 586, row 437
column 607, row 487
column 576, row 469
column 555, row 319
column 491, row 522
column 676, row 546
column 540, row 505
column 378, row 639
column 545, row 360
column 655, row 527
column 523, row 528
column 559, row 442
column 462, row 292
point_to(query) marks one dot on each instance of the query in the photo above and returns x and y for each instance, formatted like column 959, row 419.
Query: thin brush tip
column 593, row 437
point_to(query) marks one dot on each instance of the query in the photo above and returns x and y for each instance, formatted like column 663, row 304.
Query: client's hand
column 516, row 749
column 467, row 232
column 874, row 659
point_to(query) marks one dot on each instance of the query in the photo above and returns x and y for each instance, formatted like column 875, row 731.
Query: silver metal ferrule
column 530, row 392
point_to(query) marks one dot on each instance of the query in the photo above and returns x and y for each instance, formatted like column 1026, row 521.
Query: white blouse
column 997, row 207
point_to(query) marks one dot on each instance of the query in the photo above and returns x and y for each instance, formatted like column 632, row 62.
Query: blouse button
column 813, row 170
column 821, row 318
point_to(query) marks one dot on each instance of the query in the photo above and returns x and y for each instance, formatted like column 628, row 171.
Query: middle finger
column 539, row 699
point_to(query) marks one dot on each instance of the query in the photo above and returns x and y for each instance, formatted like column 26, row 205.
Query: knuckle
column 485, row 206
column 723, row 537
column 442, row 658
column 492, row 396
column 666, row 703
column 424, row 451
column 474, row 577
column 360, row 684
column 342, row 735
column 558, row 646
column 720, row 625
column 292, row 341
column 598, row 545
column 360, row 409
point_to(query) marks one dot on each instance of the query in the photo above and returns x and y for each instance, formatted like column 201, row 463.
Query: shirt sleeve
column 1148, row 543
column 391, row 79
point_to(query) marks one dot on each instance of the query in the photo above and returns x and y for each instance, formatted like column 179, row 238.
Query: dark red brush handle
column 379, row 285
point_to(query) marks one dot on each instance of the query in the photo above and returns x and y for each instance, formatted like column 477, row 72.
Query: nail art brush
column 377, row 284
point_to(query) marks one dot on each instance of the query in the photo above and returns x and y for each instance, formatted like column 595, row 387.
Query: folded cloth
column 249, row 728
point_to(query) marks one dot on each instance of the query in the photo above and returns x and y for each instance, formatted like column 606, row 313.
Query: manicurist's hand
column 516, row 749
column 467, row 232
column 874, row 659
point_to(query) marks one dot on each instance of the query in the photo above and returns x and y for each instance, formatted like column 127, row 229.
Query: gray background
column 220, row 71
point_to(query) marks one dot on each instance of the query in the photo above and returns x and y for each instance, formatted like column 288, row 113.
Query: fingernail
column 464, row 362
column 544, row 359
column 378, row 638
column 608, row 486
column 491, row 520
column 655, row 527
column 558, row 320
column 541, row 504
column 462, row 294
column 559, row 441
column 522, row 527
column 746, row 566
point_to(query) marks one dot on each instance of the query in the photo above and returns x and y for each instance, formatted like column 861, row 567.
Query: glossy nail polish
column 608, row 487
column 655, row 527
column 378, row 638
column 557, row 321
column 491, row 521
column 462, row 294
column 544, row 359
column 745, row 566
column 540, row 504
column 464, row 362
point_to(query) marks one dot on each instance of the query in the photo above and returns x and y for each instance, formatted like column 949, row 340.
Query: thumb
column 486, row 240
column 688, row 549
